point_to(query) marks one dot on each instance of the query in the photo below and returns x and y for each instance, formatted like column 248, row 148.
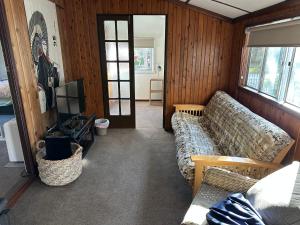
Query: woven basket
column 59, row 172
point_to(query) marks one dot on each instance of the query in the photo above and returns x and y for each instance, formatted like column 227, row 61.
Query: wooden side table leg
column 150, row 93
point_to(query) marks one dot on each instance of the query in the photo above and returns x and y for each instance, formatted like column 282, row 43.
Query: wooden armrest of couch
column 238, row 163
column 192, row 109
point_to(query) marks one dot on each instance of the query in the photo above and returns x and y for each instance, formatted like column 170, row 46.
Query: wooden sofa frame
column 258, row 168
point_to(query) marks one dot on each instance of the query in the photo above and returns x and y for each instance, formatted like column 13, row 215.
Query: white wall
column 150, row 27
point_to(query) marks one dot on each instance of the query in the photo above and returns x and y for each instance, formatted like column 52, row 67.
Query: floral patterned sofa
column 225, row 128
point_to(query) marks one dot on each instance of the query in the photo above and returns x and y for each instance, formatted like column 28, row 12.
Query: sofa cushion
column 240, row 132
column 192, row 138
column 227, row 180
column 204, row 199
column 277, row 196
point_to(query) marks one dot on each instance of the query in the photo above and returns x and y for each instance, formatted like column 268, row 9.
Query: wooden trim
column 165, row 73
column 281, row 155
column 269, row 100
column 19, row 191
column 192, row 109
column 203, row 11
column 237, row 162
column 15, row 91
column 270, row 9
column 215, row 160
column 199, row 175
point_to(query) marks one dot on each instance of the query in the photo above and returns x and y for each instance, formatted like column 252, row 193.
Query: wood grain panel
column 196, row 47
column 286, row 119
column 18, row 30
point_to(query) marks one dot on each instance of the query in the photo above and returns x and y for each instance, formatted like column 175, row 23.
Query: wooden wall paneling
column 64, row 42
column 96, row 67
column 148, row 7
column 90, row 11
column 133, row 6
column 155, row 6
column 190, row 55
column 88, row 57
column 123, row 6
column 217, row 48
column 183, row 38
column 73, row 43
column 202, row 60
column 207, row 58
column 80, row 42
column 211, row 74
column 185, row 56
column 221, row 56
column 193, row 91
column 228, row 52
column 170, row 57
column 192, row 58
column 197, row 52
column 177, row 33
column 17, row 23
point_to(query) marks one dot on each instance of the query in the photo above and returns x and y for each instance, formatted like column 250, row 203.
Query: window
column 293, row 92
column 255, row 67
column 275, row 71
column 143, row 60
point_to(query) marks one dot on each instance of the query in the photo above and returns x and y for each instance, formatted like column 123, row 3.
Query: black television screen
column 70, row 98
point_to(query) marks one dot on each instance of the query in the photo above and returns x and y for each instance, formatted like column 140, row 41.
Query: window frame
column 137, row 71
column 285, row 79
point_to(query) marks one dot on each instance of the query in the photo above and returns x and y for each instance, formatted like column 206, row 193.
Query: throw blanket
column 234, row 210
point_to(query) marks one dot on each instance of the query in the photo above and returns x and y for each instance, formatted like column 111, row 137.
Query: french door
column 117, row 69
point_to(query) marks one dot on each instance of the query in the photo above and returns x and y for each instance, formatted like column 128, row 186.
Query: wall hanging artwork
column 46, row 50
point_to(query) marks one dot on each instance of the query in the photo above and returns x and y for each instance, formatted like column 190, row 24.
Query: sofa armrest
column 192, row 109
column 238, row 163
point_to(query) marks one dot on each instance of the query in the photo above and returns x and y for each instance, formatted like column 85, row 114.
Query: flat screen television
column 70, row 99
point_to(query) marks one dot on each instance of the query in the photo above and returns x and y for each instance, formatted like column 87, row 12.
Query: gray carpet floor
column 130, row 177
column 149, row 116
column 9, row 176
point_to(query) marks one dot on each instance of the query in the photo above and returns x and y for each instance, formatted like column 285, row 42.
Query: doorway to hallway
column 149, row 69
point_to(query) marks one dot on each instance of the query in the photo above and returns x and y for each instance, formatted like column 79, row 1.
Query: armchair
column 217, row 184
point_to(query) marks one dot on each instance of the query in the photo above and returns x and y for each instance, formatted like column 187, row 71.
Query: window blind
column 278, row 34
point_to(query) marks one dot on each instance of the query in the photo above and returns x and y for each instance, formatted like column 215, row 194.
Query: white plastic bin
column 101, row 126
column 13, row 142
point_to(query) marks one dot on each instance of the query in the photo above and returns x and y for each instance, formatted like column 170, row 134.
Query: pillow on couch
column 277, row 196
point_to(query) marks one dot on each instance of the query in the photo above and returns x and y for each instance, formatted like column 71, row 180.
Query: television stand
column 79, row 128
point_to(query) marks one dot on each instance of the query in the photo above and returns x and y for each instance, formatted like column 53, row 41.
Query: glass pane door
column 116, row 53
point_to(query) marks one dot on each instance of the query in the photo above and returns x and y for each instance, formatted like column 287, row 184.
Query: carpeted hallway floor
column 130, row 177
column 149, row 116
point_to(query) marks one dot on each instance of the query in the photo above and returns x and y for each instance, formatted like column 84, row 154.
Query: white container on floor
column 101, row 126
column 13, row 142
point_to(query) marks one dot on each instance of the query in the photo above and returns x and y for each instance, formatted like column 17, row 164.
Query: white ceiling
column 240, row 7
